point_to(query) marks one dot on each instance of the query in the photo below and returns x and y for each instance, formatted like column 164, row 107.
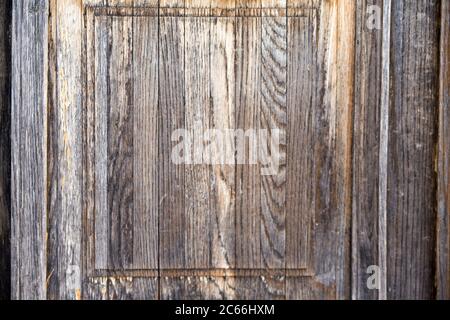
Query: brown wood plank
column 222, row 91
column 332, row 155
column 248, row 176
column 443, row 222
column 272, row 144
column 172, row 221
column 302, row 100
column 411, row 198
column 366, row 145
column 145, row 175
column 120, row 141
column 199, row 205
column 65, row 152
column 99, row 110
column 5, row 151
column 28, row 158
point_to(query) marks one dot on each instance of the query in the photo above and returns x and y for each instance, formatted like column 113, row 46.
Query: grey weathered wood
column 198, row 202
column 360, row 113
column 273, row 115
column 411, row 185
column 384, row 149
column 222, row 92
column 301, row 103
column 332, row 119
column 131, row 288
column 5, row 150
column 120, row 141
column 100, row 95
column 29, row 155
column 192, row 288
column 248, row 102
column 145, row 174
column 366, row 145
column 65, row 152
column 443, row 198
column 172, row 221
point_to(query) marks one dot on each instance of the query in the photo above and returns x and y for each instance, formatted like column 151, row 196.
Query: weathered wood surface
column 366, row 147
column 5, row 151
column 443, row 198
column 411, row 176
column 108, row 215
column 332, row 125
column 29, row 179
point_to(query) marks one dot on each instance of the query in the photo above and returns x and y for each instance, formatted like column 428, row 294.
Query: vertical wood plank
column 222, row 59
column 384, row 147
column 443, row 222
column 332, row 154
column 145, row 175
column 366, row 144
column 272, row 144
column 120, row 142
column 29, row 159
column 411, row 198
column 65, row 152
column 101, row 219
column 248, row 101
column 199, row 206
column 172, row 221
column 5, row 151
column 302, row 100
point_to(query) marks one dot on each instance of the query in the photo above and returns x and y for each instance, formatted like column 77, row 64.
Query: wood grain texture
column 248, row 177
column 332, row 122
column 120, row 141
column 366, row 144
column 411, row 185
column 65, row 152
column 29, row 157
column 302, row 77
column 443, row 198
column 198, row 202
column 273, row 119
column 145, row 135
column 361, row 149
column 5, row 150
column 172, row 221
column 222, row 92
column 193, row 288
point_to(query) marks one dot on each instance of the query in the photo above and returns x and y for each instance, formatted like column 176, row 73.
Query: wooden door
column 113, row 217
column 207, row 230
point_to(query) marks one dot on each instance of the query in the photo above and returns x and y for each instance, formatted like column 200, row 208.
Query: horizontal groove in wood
column 200, row 12
column 214, row 272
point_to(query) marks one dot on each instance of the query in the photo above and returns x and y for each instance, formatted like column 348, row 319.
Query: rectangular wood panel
column 126, row 216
